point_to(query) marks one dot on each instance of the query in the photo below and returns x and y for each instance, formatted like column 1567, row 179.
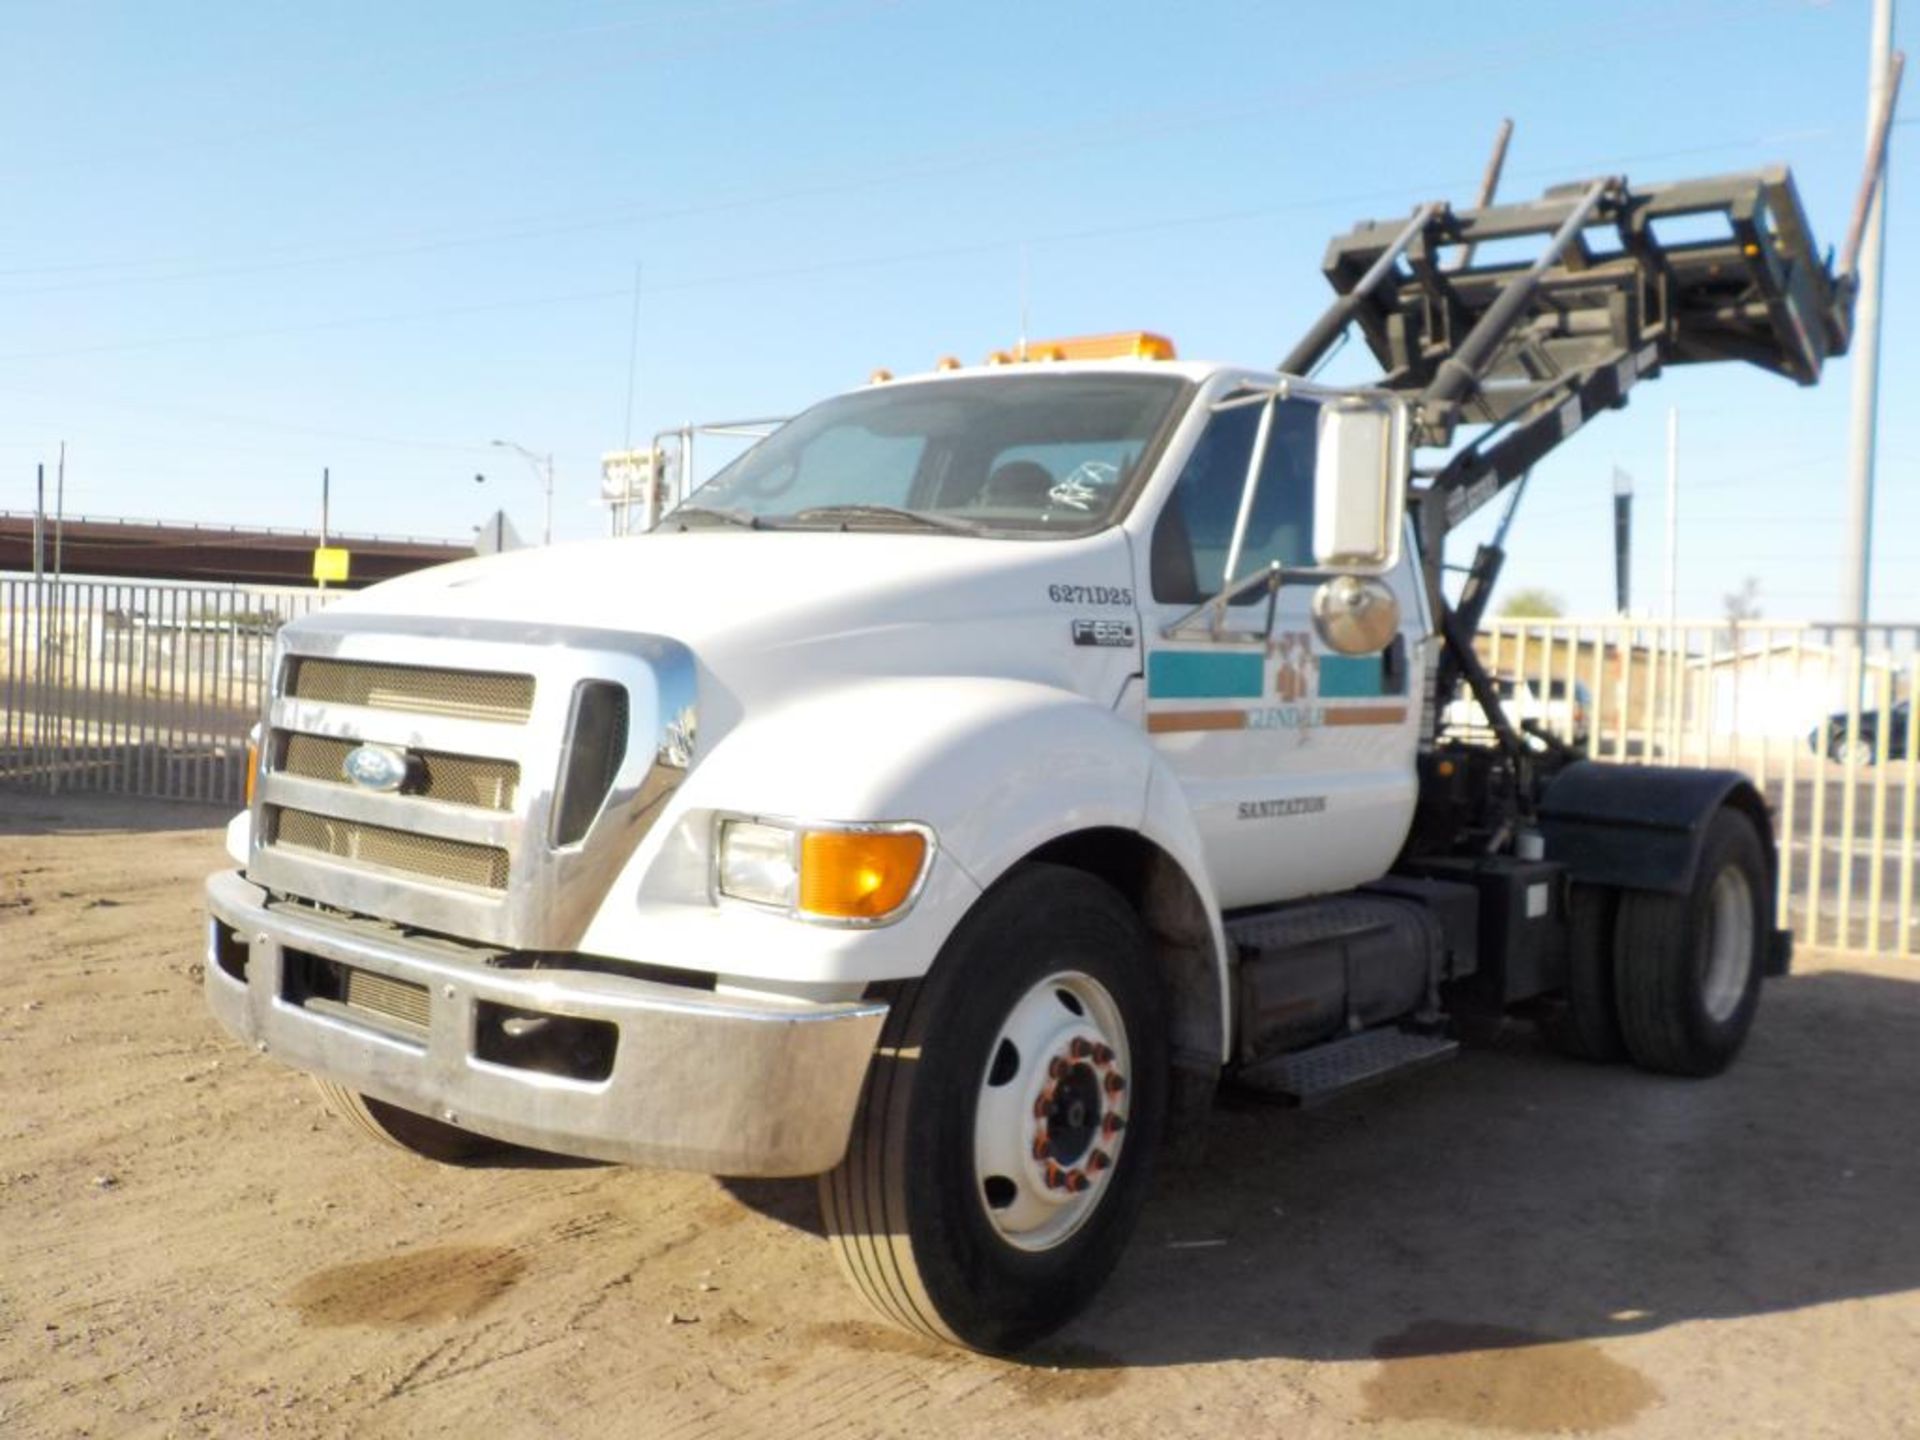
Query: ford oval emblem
column 376, row 767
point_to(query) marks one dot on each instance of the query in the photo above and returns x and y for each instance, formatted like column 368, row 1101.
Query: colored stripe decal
column 1206, row 675
column 1365, row 715
column 1351, row 677
column 1168, row 722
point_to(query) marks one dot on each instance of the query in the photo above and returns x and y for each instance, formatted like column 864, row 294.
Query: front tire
column 1687, row 968
column 420, row 1135
column 1006, row 1132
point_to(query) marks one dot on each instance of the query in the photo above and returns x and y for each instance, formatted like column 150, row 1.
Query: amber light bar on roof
column 1120, row 345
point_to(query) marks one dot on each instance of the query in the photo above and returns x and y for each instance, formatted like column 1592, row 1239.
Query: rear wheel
column 1687, row 968
column 426, row 1137
column 1002, row 1149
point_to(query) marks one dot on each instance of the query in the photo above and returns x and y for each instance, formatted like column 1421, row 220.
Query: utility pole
column 1622, row 541
column 1857, row 584
column 40, row 619
column 39, row 522
column 60, row 514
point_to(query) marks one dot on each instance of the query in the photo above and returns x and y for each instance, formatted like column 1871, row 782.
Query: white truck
column 956, row 790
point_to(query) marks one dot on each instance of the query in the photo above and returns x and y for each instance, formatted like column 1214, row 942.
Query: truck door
column 1298, row 763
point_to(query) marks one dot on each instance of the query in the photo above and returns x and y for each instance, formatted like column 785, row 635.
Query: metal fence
column 134, row 688
column 1819, row 715
column 149, row 689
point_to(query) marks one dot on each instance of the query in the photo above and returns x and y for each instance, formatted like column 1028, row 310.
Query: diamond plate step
column 1315, row 1075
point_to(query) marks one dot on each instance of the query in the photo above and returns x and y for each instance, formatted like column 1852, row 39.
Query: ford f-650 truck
column 955, row 791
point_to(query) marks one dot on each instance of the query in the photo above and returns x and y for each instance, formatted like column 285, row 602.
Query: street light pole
column 326, row 501
column 543, row 472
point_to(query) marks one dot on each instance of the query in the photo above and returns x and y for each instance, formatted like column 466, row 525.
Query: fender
column 995, row 767
column 1641, row 827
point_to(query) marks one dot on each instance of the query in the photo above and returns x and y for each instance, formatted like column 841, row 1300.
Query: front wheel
column 1002, row 1149
column 420, row 1135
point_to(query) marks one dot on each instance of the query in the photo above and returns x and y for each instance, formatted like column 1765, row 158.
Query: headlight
column 862, row 874
column 759, row 863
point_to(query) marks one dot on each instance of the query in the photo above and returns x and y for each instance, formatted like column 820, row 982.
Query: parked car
column 1523, row 700
column 1864, row 749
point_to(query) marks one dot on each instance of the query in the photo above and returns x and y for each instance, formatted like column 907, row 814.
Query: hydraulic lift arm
column 1628, row 280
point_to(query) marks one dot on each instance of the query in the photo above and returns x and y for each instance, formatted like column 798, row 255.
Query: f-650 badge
column 1103, row 632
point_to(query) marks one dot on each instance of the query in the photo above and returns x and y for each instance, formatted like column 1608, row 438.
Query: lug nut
column 1056, row 1177
column 1042, row 1103
column 1112, row 1124
column 1116, row 1082
column 1057, row 1068
column 1080, row 1049
column 1077, row 1182
column 1040, row 1147
column 1103, row 1055
column 1098, row 1161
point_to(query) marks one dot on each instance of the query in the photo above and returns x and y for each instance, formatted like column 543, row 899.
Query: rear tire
column 1035, row 1044
column 1586, row 1024
column 1687, row 968
column 420, row 1135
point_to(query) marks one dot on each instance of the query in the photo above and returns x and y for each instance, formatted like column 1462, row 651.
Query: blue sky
column 247, row 241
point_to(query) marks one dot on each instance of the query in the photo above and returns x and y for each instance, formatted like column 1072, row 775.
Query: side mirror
column 1360, row 484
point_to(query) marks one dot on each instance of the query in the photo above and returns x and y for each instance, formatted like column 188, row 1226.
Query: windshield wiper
column 925, row 521
column 746, row 519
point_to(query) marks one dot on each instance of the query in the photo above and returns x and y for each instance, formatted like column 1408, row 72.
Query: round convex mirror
column 1355, row 615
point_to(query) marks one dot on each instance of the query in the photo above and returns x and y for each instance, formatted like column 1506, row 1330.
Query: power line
column 1022, row 147
column 740, row 277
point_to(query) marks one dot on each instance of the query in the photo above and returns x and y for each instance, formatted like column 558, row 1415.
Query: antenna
column 633, row 357
column 1024, row 288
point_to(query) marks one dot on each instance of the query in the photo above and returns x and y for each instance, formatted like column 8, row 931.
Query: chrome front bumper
column 696, row 1081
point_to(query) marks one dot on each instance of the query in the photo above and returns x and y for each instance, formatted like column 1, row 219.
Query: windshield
column 1027, row 455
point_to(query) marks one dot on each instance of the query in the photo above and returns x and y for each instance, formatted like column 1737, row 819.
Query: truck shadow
column 1515, row 1198
column 1518, row 1201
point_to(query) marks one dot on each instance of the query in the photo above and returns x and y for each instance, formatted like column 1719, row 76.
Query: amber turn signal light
column 859, row 874
column 253, row 762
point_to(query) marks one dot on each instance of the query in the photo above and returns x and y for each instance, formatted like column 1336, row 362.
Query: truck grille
column 536, row 759
column 416, row 689
column 429, row 856
column 452, row 779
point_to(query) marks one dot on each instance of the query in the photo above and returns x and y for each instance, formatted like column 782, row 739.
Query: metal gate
column 141, row 688
column 150, row 688
column 1819, row 715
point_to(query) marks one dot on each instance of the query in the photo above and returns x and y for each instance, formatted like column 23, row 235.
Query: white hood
column 787, row 610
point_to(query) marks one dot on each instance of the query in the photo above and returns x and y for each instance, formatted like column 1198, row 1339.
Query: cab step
column 1319, row 1073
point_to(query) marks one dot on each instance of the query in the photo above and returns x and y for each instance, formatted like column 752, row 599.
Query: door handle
column 1393, row 667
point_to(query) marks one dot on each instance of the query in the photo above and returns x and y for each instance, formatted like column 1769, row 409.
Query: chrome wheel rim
column 1729, row 950
column 1051, row 1119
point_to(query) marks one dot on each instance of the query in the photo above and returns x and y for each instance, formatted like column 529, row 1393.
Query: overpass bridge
column 210, row 554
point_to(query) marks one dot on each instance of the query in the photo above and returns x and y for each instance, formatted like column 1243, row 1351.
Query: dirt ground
column 1512, row 1244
